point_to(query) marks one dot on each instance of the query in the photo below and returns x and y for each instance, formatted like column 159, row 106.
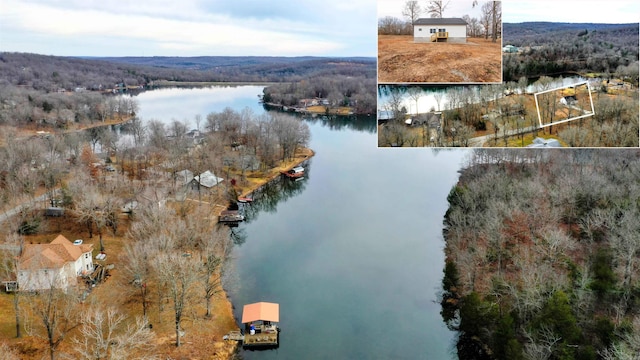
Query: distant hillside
column 210, row 62
column 555, row 48
column 536, row 33
column 51, row 73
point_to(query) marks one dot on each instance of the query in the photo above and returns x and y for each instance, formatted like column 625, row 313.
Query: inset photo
column 546, row 112
column 439, row 41
column 584, row 56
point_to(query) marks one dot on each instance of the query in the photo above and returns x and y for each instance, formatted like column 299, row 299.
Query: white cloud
column 582, row 11
column 178, row 26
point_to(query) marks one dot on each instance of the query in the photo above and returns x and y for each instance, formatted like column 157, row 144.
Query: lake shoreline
column 305, row 154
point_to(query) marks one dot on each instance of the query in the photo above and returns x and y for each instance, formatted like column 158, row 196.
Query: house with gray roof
column 545, row 143
column 207, row 179
column 440, row 30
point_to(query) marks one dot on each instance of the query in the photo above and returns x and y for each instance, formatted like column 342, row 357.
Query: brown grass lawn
column 203, row 339
column 402, row 60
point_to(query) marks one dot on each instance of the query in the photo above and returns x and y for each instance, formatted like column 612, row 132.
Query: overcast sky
column 455, row 8
column 189, row 27
column 595, row 11
column 574, row 11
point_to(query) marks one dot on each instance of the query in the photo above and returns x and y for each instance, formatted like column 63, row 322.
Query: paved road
column 11, row 212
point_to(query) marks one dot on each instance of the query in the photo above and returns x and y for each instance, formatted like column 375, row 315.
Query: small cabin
column 54, row 211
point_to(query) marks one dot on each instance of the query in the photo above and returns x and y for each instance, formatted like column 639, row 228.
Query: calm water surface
column 354, row 253
column 184, row 104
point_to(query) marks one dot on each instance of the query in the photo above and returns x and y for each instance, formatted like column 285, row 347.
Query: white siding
column 421, row 31
column 29, row 280
column 457, row 30
column 424, row 31
column 87, row 262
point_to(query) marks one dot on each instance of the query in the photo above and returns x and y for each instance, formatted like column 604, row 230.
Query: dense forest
column 51, row 73
column 354, row 92
column 24, row 107
column 553, row 48
column 543, row 255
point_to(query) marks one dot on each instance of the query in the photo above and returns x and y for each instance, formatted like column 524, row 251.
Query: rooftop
column 53, row 255
column 440, row 21
column 264, row 311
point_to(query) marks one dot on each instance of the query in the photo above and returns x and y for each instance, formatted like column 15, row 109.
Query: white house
column 57, row 264
column 440, row 30
column 509, row 49
column 568, row 100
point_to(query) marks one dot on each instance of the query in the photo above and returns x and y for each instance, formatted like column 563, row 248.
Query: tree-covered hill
column 529, row 33
column 543, row 255
column 552, row 48
column 51, row 73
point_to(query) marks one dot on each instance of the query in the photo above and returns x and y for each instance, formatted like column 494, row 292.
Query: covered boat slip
column 260, row 328
column 261, row 339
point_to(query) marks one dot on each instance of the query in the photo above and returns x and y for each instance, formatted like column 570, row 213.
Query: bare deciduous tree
column 55, row 315
column 436, row 8
column 9, row 269
column 107, row 334
column 179, row 274
column 411, row 11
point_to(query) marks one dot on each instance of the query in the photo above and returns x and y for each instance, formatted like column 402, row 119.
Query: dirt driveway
column 400, row 60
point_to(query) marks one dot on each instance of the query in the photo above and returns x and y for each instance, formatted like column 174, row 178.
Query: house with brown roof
column 57, row 264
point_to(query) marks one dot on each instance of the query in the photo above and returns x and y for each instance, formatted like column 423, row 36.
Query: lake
column 183, row 104
column 428, row 101
column 353, row 253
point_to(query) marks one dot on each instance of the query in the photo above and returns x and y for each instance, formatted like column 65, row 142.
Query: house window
column 442, row 30
column 419, row 29
column 432, row 31
column 86, row 256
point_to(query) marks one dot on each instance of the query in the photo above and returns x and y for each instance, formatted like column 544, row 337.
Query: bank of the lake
column 352, row 253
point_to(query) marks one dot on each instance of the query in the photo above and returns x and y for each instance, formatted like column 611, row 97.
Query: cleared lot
column 400, row 60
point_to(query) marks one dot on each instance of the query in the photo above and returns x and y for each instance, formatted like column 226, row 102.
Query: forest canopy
column 51, row 73
column 553, row 48
column 543, row 255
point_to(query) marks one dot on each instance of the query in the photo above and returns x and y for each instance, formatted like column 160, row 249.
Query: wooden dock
column 265, row 336
column 234, row 335
column 261, row 339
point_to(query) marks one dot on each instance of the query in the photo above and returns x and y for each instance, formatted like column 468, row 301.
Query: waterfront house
column 57, row 264
column 207, row 180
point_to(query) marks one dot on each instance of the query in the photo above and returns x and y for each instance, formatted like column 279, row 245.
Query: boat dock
column 264, row 336
column 261, row 332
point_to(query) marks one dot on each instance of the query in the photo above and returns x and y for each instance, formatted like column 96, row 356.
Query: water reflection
column 279, row 190
column 339, row 123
